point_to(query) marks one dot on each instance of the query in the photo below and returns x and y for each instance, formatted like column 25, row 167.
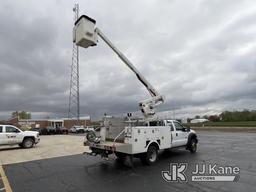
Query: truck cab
column 142, row 139
column 179, row 133
column 11, row 135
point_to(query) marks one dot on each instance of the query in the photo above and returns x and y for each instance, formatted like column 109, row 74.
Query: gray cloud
column 200, row 55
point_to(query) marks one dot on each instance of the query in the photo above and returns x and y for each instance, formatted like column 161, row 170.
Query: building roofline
column 58, row 119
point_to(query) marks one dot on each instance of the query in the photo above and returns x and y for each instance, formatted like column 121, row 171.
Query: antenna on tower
column 74, row 103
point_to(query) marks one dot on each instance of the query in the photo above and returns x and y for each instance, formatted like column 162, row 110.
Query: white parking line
column 5, row 181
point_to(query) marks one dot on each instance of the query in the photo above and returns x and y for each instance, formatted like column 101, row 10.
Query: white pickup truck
column 141, row 140
column 11, row 135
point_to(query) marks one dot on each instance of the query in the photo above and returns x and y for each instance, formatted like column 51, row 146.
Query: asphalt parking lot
column 85, row 173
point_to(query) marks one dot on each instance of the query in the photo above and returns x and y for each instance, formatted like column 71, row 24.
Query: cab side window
column 10, row 129
column 1, row 129
column 178, row 126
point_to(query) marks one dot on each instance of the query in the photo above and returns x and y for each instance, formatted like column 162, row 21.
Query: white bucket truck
column 126, row 136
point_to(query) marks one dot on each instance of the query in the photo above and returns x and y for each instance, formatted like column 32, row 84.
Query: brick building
column 63, row 122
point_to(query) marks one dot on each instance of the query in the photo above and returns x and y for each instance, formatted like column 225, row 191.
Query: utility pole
column 74, row 103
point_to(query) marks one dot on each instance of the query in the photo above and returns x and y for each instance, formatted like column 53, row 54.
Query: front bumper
column 37, row 140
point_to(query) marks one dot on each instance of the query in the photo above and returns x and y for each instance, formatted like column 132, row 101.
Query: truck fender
column 31, row 137
column 155, row 143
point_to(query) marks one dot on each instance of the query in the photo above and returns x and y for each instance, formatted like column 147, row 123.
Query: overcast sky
column 201, row 55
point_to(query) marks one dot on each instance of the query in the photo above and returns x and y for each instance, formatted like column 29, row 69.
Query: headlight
column 37, row 135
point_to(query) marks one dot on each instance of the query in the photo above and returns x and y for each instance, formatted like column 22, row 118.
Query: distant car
column 89, row 128
column 77, row 129
column 72, row 130
column 40, row 130
column 51, row 130
column 61, row 130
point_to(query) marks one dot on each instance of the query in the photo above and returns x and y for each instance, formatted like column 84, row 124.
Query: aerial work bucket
column 84, row 32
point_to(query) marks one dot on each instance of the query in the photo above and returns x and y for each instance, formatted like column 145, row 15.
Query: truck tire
column 120, row 156
column 28, row 143
column 193, row 146
column 150, row 157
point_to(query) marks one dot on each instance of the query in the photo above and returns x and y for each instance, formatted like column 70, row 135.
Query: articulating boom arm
column 85, row 35
column 146, row 106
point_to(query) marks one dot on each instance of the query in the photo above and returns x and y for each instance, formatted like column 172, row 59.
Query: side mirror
column 185, row 129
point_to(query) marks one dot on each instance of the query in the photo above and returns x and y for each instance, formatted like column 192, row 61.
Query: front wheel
column 150, row 157
column 28, row 143
column 193, row 146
